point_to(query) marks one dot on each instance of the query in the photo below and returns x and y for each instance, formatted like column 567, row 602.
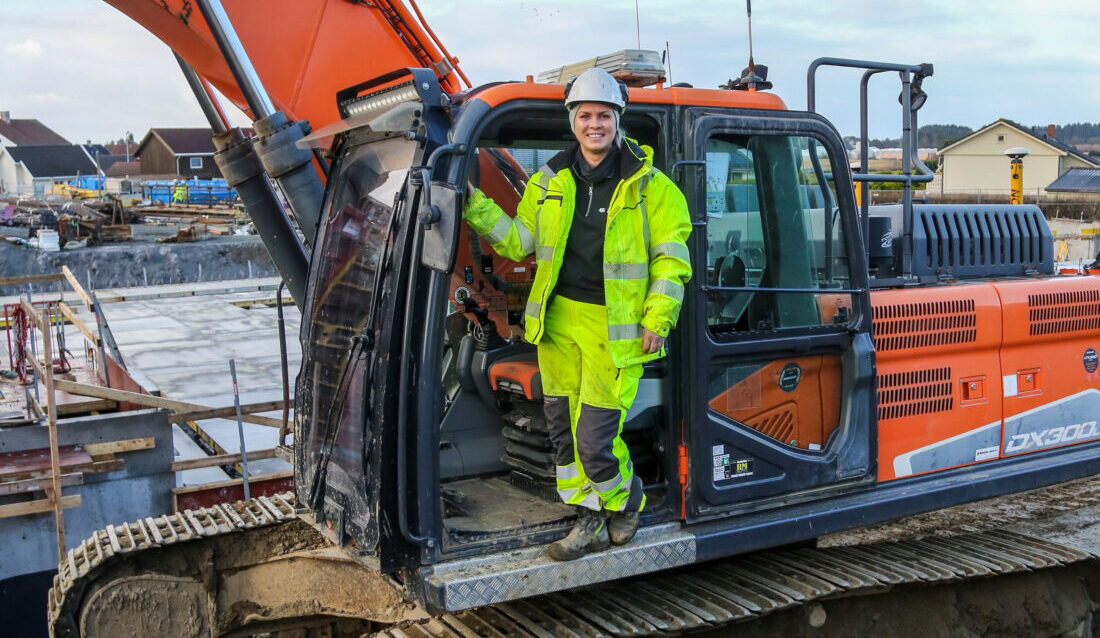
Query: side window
column 775, row 242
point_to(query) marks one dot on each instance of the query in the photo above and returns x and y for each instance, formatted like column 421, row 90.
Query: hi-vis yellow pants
column 585, row 399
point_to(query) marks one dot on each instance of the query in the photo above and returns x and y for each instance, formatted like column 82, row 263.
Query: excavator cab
column 420, row 429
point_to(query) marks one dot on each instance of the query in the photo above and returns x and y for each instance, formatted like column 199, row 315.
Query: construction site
column 304, row 399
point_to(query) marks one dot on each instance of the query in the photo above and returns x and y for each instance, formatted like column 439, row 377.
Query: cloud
column 48, row 97
column 26, row 49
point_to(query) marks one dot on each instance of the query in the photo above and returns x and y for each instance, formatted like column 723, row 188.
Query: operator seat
column 520, row 377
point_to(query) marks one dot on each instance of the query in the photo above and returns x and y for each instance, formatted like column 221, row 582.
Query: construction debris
column 187, row 233
column 92, row 222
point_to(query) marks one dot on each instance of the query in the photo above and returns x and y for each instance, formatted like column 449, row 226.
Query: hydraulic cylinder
column 241, row 167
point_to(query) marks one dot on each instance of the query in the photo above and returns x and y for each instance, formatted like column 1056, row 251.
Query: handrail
column 912, row 75
column 404, row 371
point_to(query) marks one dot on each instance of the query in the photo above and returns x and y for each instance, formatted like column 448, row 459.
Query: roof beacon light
column 635, row 67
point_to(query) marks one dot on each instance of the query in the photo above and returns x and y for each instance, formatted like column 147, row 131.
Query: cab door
column 777, row 315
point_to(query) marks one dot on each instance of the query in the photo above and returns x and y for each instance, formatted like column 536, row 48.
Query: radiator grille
column 924, row 324
column 778, row 423
column 903, row 394
column 1059, row 312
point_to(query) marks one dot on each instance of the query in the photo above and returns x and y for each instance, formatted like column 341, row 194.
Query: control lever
column 486, row 335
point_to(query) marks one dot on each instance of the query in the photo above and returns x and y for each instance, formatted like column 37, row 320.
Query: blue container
column 90, row 182
column 194, row 191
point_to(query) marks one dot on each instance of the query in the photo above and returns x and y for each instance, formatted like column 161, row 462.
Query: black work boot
column 589, row 534
column 621, row 526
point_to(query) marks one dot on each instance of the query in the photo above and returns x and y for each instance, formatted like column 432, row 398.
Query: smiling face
column 594, row 127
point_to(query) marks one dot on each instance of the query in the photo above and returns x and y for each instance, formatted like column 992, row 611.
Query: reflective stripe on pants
column 586, row 399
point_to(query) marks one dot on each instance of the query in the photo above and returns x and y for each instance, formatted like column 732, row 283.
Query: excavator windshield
column 352, row 255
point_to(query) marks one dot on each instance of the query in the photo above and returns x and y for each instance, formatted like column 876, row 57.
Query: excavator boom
column 304, row 52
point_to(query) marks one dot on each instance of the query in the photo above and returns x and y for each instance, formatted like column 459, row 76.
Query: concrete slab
column 182, row 338
column 178, row 339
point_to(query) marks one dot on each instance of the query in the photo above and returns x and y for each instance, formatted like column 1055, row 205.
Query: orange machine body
column 966, row 373
column 803, row 417
column 974, row 372
column 498, row 94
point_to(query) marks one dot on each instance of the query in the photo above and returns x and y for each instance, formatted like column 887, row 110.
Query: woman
column 609, row 232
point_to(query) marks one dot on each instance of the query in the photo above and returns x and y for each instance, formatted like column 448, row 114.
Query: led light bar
column 372, row 104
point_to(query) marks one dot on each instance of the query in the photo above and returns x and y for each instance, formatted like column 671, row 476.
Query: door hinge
column 683, row 480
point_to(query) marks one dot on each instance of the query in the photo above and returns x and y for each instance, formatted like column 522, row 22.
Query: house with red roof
column 32, row 156
column 26, row 132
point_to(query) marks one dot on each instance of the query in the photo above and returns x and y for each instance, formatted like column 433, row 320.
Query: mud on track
column 1052, row 603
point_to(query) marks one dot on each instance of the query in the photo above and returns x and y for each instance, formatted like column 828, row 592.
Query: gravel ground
column 1067, row 513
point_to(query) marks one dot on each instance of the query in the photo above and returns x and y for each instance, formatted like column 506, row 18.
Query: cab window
column 775, row 242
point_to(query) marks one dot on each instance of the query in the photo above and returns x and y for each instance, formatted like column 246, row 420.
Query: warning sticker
column 721, row 461
column 986, row 453
column 727, row 468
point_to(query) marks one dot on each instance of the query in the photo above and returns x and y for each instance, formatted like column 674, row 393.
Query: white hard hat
column 596, row 85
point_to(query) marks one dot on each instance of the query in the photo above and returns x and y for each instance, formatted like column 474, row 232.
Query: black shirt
column 581, row 275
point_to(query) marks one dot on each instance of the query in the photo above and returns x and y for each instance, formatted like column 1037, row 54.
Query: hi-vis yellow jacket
column 645, row 255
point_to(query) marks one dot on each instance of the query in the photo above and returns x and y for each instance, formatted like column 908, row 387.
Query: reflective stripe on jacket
column 645, row 260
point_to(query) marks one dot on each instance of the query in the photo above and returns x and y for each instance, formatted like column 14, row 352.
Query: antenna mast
column 638, row 23
column 748, row 10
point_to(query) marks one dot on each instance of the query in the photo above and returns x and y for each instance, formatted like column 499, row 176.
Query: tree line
column 940, row 135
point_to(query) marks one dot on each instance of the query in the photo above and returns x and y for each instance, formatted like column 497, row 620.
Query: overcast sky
column 90, row 72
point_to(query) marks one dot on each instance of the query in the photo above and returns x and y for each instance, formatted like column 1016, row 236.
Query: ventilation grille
column 778, row 423
column 981, row 240
column 925, row 324
column 905, row 394
column 1059, row 312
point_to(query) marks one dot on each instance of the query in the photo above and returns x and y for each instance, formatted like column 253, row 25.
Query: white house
column 15, row 177
column 28, row 171
column 977, row 161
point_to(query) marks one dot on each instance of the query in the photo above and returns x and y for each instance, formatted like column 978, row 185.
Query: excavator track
column 748, row 587
column 691, row 599
column 108, row 546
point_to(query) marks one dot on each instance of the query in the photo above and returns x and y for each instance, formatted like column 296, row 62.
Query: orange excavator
column 836, row 365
